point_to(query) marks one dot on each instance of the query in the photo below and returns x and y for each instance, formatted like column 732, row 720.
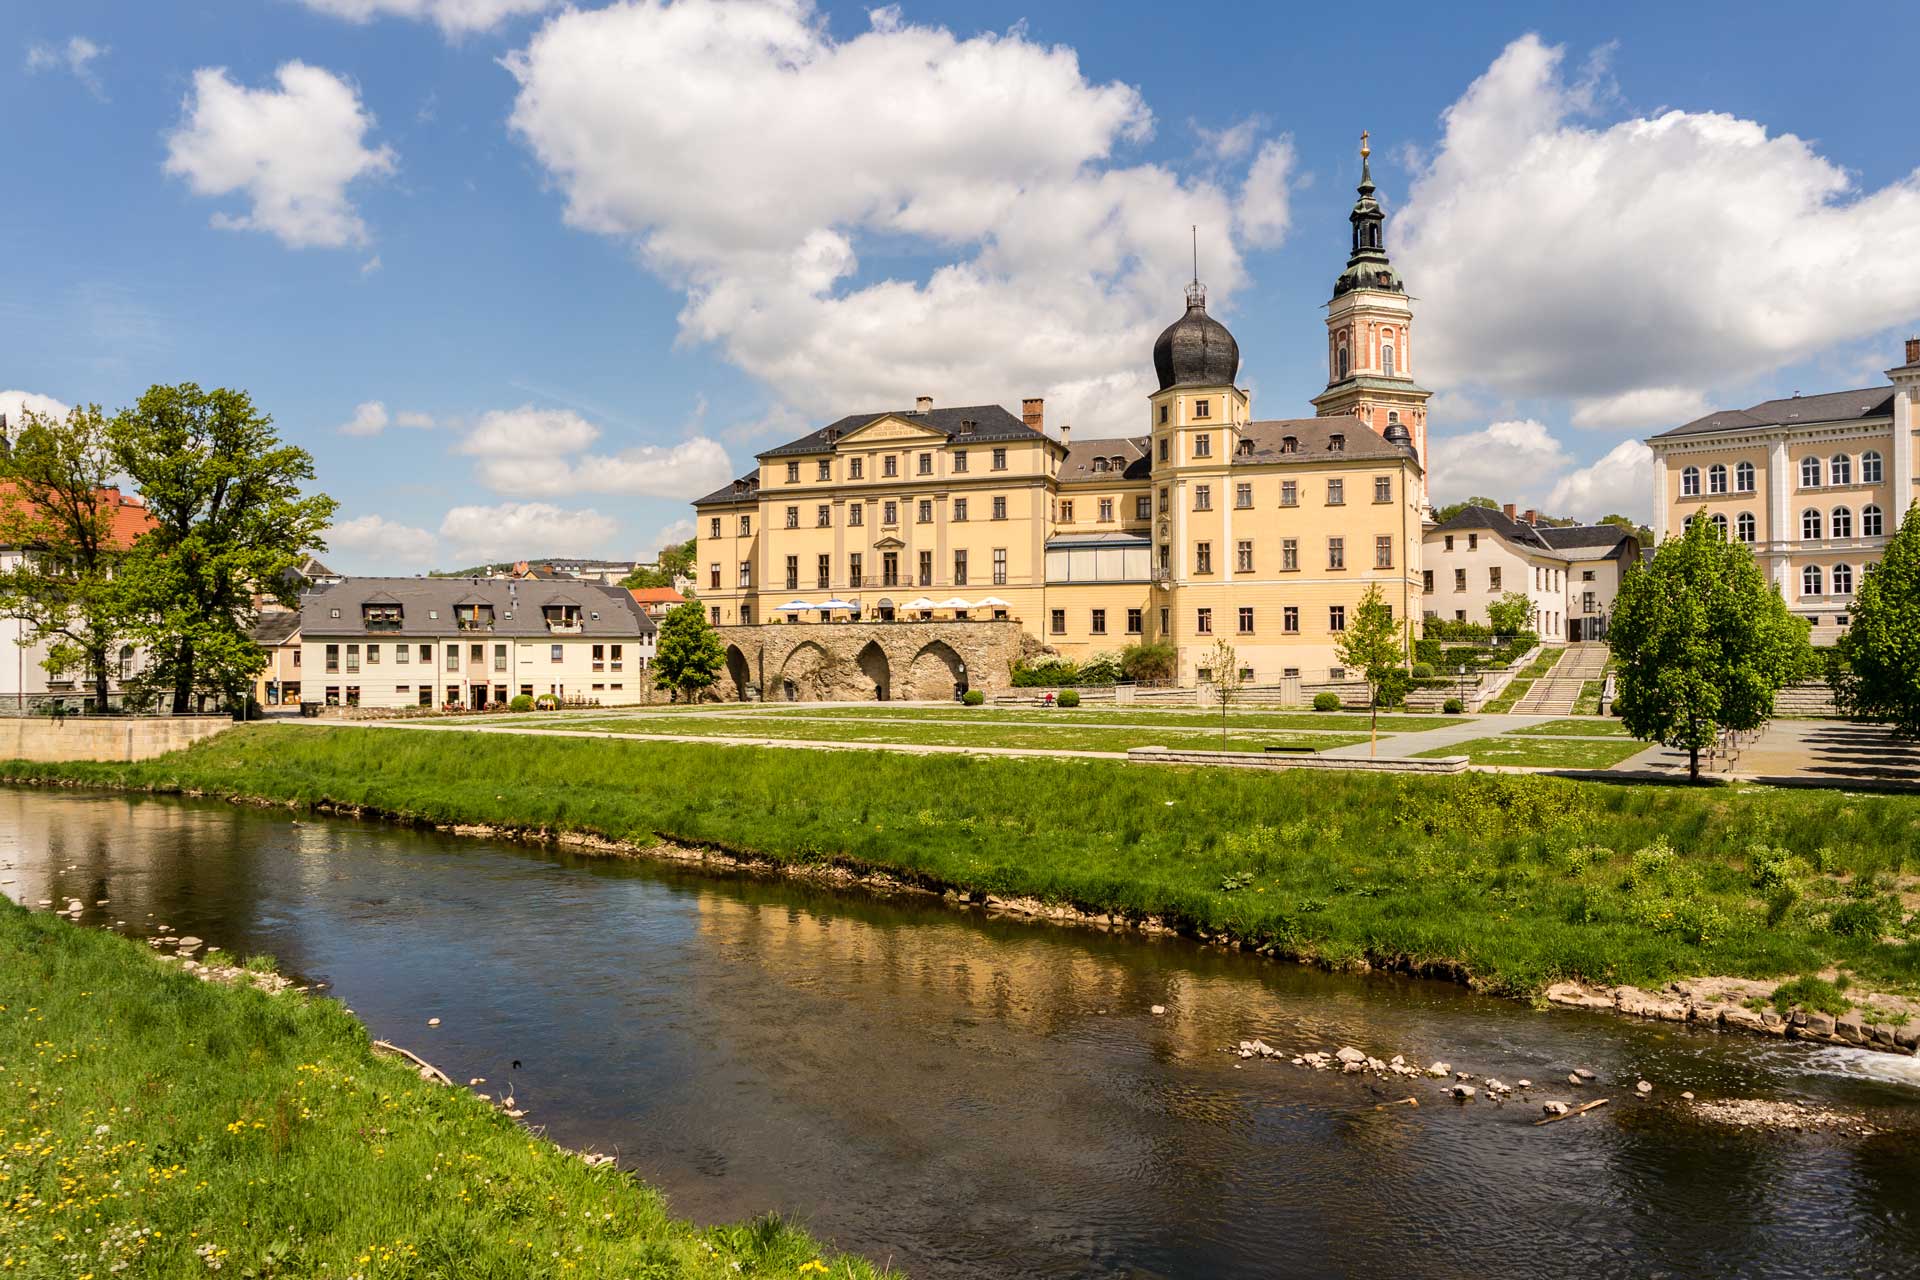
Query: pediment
column 892, row 427
column 890, row 543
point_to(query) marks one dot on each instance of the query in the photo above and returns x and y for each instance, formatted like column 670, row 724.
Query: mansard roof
column 991, row 424
column 1827, row 407
column 1126, row 458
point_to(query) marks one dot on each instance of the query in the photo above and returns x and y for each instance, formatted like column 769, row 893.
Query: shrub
column 1327, row 701
column 1047, row 673
column 973, row 697
column 1148, row 663
column 1102, row 669
column 546, row 702
column 1423, row 671
column 521, row 703
column 1861, row 918
column 1427, row 651
column 1666, row 895
column 1452, row 707
column 1069, row 698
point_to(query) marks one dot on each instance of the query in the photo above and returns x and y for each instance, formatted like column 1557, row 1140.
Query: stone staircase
column 1554, row 693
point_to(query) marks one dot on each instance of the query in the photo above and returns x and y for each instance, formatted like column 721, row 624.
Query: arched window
column 1743, row 478
column 1717, row 478
column 1843, row 579
column 1870, row 467
column 1386, row 359
column 1840, row 470
column 1842, row 523
column 1809, row 473
column 1340, row 361
column 1393, row 417
column 1870, row 523
column 1810, row 523
column 1810, row 580
column 1719, row 524
column 1745, row 527
column 1690, row 482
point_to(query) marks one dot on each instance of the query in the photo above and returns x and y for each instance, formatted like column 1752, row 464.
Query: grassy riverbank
column 152, row 1124
column 1523, row 880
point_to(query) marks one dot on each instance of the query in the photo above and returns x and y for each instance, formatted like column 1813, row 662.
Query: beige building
column 470, row 642
column 279, row 683
column 1208, row 525
column 1815, row 485
column 1570, row 574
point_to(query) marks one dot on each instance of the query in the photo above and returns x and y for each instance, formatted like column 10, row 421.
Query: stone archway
column 873, row 665
column 806, row 676
column 739, row 672
column 934, row 672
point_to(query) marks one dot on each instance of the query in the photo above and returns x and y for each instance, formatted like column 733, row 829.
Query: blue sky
column 526, row 279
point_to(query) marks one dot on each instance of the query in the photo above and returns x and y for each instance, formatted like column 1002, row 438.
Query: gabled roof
column 656, row 595
column 1581, row 536
column 1565, row 542
column 1313, row 440
column 276, row 628
column 1126, row 458
column 1831, row 406
column 127, row 516
column 991, row 424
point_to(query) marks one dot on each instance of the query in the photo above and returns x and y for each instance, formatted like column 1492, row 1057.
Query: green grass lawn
column 1062, row 735
column 155, row 1125
column 1517, row 688
column 1336, row 721
column 1522, row 879
column 1548, row 752
column 1595, row 727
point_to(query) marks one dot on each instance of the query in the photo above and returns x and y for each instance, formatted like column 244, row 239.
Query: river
column 975, row 1097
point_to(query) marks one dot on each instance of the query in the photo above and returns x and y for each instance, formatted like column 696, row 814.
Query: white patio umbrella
column 827, row 605
column 955, row 603
column 794, row 606
column 991, row 602
column 920, row 602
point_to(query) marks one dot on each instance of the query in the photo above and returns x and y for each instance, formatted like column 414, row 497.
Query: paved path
column 1555, row 693
column 1403, row 746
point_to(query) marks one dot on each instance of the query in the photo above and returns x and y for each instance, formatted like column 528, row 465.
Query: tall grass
column 1523, row 880
column 155, row 1125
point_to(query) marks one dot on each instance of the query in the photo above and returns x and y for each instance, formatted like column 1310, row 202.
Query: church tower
column 1370, row 333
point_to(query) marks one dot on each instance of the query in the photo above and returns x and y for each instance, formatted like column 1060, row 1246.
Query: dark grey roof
column 1196, row 349
column 1126, row 459
column 1313, row 441
column 1565, row 541
column 1829, row 406
column 276, row 627
column 1583, row 536
column 991, row 423
column 606, row 611
column 312, row 568
column 745, row 489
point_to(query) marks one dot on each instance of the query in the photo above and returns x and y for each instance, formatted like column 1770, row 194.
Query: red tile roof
column 129, row 514
column 656, row 595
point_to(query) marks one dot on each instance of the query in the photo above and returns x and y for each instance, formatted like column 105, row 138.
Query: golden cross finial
column 1365, row 151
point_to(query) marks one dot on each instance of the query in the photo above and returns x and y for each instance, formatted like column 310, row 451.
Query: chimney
column 1913, row 357
column 1531, row 516
column 1033, row 412
column 923, row 405
column 1508, row 510
column 1066, row 433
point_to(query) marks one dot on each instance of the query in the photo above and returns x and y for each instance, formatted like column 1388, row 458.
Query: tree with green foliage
column 57, row 505
column 1630, row 525
column 1453, row 509
column 687, row 655
column 1701, row 642
column 1511, row 614
column 230, row 520
column 1149, row 662
column 1227, row 681
column 1372, row 644
column 1878, row 676
column 674, row 562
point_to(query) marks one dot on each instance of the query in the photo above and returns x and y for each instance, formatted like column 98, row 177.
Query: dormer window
column 473, row 617
column 1099, row 464
column 1244, row 448
column 561, row 617
column 380, row 617
column 1289, row 444
column 1336, row 443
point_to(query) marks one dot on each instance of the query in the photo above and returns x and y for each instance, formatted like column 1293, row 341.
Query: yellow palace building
column 1210, row 524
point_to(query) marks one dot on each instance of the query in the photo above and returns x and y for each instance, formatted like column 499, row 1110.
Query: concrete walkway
column 1402, row 746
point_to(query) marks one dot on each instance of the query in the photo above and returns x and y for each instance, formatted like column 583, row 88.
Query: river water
column 984, row 1098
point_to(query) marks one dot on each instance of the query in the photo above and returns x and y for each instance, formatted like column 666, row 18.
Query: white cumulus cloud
column 454, row 17
column 670, row 535
column 1622, row 482
column 530, row 452
column 370, row 418
column 76, row 57
column 1494, row 462
column 1264, row 212
column 382, row 544
column 1641, row 408
column 13, row 404
column 748, row 155
column 524, row 528
column 291, row 151
column 1558, row 253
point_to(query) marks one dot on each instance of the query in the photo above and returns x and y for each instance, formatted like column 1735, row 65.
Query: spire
column 1367, row 267
column 1366, row 174
column 1196, row 292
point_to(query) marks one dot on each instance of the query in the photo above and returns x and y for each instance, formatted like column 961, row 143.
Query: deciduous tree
column 674, row 562
column 1372, row 644
column 1701, row 642
column 230, row 520
column 57, row 506
column 1226, row 681
column 1878, row 677
column 1511, row 614
column 687, row 656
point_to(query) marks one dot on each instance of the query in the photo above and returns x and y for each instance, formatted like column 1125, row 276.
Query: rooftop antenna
column 1196, row 292
column 1196, row 253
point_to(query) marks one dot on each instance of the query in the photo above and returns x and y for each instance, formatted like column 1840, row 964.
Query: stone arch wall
column 911, row 660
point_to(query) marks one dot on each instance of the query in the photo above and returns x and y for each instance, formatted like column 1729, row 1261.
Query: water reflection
column 992, row 1098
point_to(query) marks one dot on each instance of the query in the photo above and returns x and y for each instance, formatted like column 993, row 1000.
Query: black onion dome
column 1196, row 349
